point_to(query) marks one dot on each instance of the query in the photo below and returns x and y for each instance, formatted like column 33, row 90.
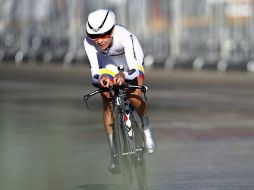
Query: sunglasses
column 96, row 36
column 103, row 36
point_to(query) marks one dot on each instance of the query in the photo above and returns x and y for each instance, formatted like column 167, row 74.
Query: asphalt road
column 49, row 141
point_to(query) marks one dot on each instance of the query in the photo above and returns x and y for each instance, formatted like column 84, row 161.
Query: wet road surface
column 49, row 141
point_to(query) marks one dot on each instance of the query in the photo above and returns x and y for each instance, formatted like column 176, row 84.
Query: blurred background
column 203, row 118
column 197, row 34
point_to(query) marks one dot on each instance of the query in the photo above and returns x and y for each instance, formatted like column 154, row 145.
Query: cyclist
column 108, row 43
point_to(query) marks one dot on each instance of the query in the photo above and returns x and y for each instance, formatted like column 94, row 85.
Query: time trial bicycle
column 128, row 136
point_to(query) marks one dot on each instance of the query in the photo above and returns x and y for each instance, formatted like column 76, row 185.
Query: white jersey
column 125, row 52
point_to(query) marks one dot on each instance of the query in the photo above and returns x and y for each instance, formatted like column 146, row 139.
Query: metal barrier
column 196, row 34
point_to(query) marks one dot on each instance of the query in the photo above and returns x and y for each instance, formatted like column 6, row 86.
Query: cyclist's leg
column 107, row 112
column 135, row 98
column 140, row 105
column 108, row 125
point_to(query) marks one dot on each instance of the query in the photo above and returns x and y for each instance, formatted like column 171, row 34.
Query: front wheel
column 123, row 149
column 139, row 158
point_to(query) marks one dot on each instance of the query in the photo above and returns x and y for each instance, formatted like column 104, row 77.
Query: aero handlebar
column 113, row 88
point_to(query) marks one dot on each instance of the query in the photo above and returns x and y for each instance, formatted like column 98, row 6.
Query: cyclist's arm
column 93, row 61
column 134, row 55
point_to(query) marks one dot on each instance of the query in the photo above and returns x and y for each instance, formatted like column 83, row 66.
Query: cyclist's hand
column 105, row 81
column 119, row 78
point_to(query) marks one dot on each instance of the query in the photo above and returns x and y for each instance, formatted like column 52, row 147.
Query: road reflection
column 42, row 130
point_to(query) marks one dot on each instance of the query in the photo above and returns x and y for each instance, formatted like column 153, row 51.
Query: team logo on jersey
column 134, row 53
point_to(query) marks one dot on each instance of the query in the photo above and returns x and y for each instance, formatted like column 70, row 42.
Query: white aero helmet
column 100, row 22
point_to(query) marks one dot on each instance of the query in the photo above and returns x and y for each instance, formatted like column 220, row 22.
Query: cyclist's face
column 103, row 41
